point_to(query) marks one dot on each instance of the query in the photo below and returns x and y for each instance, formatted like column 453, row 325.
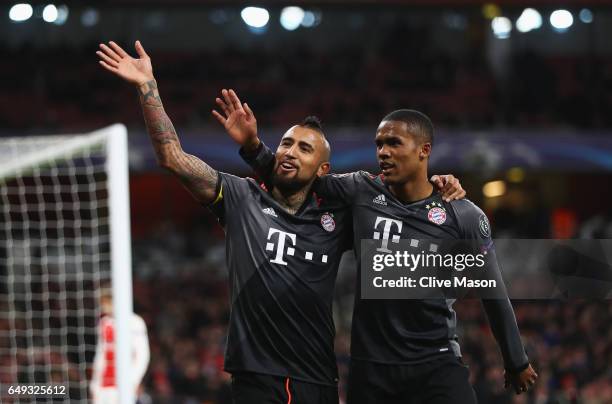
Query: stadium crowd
column 342, row 86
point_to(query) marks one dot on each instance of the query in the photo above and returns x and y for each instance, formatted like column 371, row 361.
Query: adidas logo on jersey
column 380, row 199
column 269, row 211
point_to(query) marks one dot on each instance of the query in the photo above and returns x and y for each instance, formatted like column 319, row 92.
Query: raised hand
column 136, row 71
column 237, row 119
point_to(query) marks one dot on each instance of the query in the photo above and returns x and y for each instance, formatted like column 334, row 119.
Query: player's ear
column 323, row 169
column 425, row 150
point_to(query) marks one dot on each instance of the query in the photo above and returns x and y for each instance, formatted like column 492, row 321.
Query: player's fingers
column 118, row 49
column 437, row 181
column 446, row 188
column 235, row 100
column 105, row 58
column 459, row 194
column 108, row 67
column 140, row 50
column 110, row 53
column 455, row 195
column 452, row 184
column 219, row 117
column 226, row 98
column 223, row 106
column 247, row 109
column 446, row 178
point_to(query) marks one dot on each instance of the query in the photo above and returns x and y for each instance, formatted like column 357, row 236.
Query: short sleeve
column 473, row 223
column 230, row 194
column 338, row 187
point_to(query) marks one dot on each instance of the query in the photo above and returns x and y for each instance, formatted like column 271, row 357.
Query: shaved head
column 314, row 123
column 302, row 155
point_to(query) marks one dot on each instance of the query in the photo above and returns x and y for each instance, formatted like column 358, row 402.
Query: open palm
column 240, row 126
column 116, row 60
column 239, row 121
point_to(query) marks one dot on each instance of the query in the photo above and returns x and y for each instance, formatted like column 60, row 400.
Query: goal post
column 121, row 255
column 64, row 234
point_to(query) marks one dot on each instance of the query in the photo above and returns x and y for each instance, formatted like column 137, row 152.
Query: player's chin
column 391, row 179
column 288, row 182
column 286, row 178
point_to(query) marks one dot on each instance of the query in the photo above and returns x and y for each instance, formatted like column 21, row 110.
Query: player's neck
column 412, row 190
column 291, row 201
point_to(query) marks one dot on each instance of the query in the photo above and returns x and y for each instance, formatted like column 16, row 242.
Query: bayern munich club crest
column 436, row 213
column 328, row 223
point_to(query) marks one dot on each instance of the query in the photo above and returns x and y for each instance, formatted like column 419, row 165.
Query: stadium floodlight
column 502, row 27
column 255, row 17
column 292, row 17
column 586, row 16
column 561, row 20
column 90, row 17
column 20, row 12
column 529, row 20
column 64, row 235
column 309, row 19
column 50, row 13
column 62, row 15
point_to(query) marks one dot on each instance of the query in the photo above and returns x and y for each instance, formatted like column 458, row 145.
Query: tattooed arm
column 198, row 177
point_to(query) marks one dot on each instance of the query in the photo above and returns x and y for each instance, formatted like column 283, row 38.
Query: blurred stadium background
column 520, row 93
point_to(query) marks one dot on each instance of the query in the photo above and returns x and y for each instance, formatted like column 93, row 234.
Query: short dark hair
column 313, row 122
column 418, row 123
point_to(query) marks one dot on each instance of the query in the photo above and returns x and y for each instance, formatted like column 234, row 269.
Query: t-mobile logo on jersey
column 386, row 231
column 280, row 251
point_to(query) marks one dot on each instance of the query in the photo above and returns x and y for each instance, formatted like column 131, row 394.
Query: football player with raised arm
column 407, row 351
column 283, row 247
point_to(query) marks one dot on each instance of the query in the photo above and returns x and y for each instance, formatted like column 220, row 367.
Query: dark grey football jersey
column 409, row 331
column 282, row 270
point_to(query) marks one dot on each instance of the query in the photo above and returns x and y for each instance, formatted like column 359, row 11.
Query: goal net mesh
column 54, row 260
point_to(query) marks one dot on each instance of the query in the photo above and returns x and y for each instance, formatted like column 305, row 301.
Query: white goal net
column 60, row 201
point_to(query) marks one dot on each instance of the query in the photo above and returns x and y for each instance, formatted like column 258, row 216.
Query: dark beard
column 288, row 186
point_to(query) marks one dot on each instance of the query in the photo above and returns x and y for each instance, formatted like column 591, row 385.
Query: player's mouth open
column 286, row 166
column 385, row 167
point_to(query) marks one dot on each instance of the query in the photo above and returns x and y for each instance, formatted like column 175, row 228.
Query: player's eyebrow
column 306, row 145
column 387, row 139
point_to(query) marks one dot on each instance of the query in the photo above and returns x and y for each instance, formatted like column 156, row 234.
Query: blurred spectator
column 345, row 86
